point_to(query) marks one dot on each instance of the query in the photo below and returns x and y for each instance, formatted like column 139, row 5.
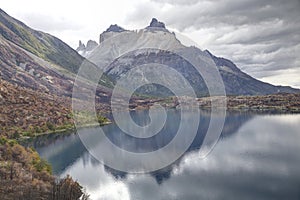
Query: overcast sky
column 261, row 36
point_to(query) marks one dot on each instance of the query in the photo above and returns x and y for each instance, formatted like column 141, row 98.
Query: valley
column 38, row 74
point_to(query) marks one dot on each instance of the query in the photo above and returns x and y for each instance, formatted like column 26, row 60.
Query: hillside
column 36, row 59
column 40, row 44
column 25, row 112
column 36, row 90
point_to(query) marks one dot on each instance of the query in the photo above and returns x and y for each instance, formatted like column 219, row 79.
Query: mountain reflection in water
column 257, row 157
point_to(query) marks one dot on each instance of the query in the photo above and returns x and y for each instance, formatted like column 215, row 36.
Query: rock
column 81, row 46
column 84, row 50
column 115, row 28
column 22, row 66
column 31, row 72
column 155, row 23
column 90, row 45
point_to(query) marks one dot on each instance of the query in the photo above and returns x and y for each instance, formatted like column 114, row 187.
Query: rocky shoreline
column 279, row 103
column 283, row 103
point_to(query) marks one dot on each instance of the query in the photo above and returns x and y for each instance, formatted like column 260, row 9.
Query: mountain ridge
column 39, row 43
column 29, row 75
column 36, row 59
column 157, row 36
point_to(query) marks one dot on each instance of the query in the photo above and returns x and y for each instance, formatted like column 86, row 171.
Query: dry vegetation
column 24, row 175
column 283, row 103
column 25, row 112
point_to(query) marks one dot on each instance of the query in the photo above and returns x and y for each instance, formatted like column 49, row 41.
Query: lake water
column 256, row 157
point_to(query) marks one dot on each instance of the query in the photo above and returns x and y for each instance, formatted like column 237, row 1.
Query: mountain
column 238, row 82
column 84, row 50
column 121, row 50
column 37, row 60
column 156, row 24
column 37, row 73
column 38, row 43
column 110, row 32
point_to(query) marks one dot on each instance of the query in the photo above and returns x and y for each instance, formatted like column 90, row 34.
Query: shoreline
column 263, row 110
column 279, row 103
column 272, row 104
column 62, row 131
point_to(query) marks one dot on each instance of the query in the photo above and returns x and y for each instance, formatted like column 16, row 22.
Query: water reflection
column 256, row 158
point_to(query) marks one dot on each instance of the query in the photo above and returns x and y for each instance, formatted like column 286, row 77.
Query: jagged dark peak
column 156, row 24
column 115, row 28
column 111, row 30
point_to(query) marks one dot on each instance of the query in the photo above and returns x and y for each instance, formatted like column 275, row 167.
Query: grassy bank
column 49, row 128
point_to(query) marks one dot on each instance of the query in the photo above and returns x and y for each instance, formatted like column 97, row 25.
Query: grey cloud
column 265, row 32
column 49, row 23
column 143, row 14
column 257, row 59
column 231, row 12
column 178, row 2
column 258, row 35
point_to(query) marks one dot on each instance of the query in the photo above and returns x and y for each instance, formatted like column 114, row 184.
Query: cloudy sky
column 261, row 36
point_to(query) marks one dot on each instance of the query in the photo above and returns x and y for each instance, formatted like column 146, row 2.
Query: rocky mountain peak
column 80, row 47
column 90, row 45
column 112, row 29
column 156, row 24
column 85, row 49
column 115, row 28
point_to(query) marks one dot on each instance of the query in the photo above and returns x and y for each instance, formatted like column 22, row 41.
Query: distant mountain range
column 120, row 50
column 39, row 61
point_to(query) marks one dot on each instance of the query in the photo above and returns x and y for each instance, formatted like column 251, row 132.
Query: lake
column 256, row 157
